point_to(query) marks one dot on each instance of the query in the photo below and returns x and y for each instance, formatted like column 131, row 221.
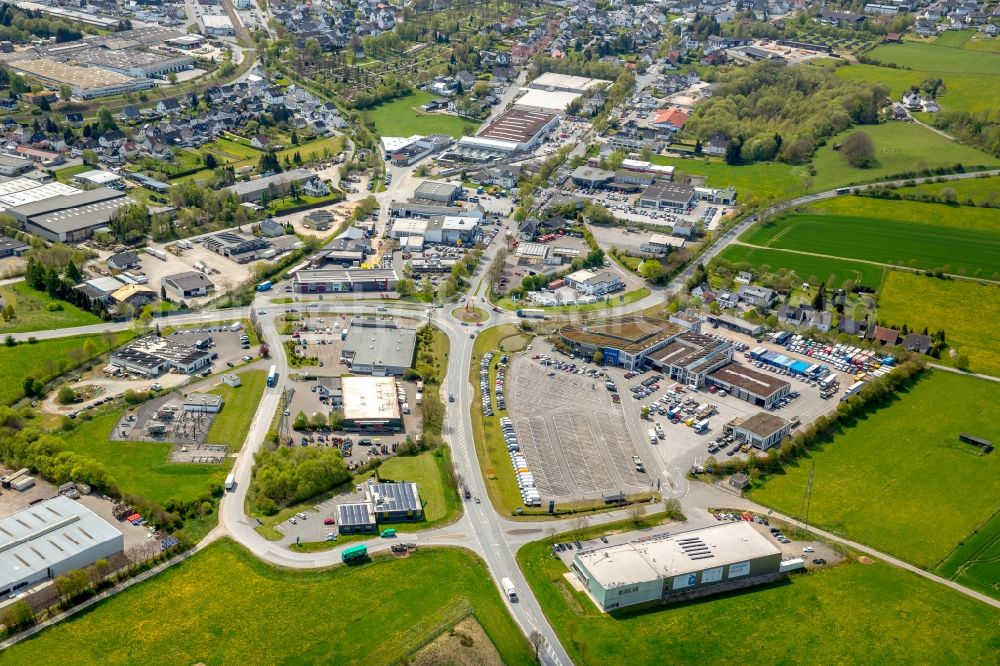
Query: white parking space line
column 534, row 441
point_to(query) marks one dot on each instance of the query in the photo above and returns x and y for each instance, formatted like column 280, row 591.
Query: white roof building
column 50, row 538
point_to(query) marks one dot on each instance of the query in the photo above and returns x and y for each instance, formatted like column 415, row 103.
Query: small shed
column 231, row 380
column 740, row 481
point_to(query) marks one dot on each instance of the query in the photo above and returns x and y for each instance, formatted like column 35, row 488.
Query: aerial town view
column 489, row 332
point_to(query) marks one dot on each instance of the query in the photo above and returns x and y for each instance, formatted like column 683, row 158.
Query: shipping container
column 22, row 483
column 5, row 481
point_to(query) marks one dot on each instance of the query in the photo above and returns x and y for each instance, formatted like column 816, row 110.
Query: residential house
column 917, row 342
column 124, row 261
column 886, row 336
column 761, row 297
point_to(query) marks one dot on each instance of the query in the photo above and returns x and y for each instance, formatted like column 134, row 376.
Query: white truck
column 231, row 482
column 508, row 587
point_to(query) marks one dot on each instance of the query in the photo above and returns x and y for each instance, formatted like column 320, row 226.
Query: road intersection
column 494, row 538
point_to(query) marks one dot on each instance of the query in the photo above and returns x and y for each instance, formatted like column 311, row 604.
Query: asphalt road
column 480, row 528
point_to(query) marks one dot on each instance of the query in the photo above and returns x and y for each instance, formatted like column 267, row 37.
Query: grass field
column 45, row 359
column 141, row 468
column 965, row 310
column 232, row 424
column 844, row 613
column 900, row 243
column 978, row 189
column 900, row 480
column 429, row 471
column 32, row 313
column 899, row 148
column 962, row 218
column 976, row 561
column 980, row 42
column 967, row 67
column 808, row 268
column 763, row 179
column 403, row 117
column 936, row 57
column 222, row 606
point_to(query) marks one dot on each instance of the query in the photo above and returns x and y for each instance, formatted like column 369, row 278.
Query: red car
column 329, row 521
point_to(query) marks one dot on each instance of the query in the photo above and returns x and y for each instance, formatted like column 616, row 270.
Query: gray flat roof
column 386, row 345
column 434, row 188
column 673, row 192
column 66, row 201
column 47, row 534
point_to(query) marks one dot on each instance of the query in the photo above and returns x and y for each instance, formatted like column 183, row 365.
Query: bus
column 354, row 554
column 272, row 377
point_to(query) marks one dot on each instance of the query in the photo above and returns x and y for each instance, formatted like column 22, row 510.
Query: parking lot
column 581, row 439
column 571, row 432
column 319, row 522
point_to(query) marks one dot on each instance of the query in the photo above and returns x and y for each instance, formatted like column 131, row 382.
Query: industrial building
column 12, row 247
column 672, row 567
column 515, row 131
column 152, row 356
column 189, row 284
column 240, row 249
column 594, row 283
column 371, row 404
column 378, row 347
column 50, row 538
column 338, row 280
column 451, row 229
column 355, row 517
column 691, row 357
column 565, row 82
column 627, row 343
column 667, row 195
column 395, row 502
column 99, row 178
column 762, row 430
column 759, row 388
column 546, row 100
column 70, row 218
column 84, row 82
column 438, row 192
column 133, row 62
column 218, row 25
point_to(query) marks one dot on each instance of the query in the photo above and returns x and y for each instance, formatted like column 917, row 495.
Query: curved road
column 480, row 528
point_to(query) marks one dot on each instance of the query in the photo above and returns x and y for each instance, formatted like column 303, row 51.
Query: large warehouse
column 68, row 217
column 759, row 388
column 84, row 82
column 378, row 347
column 625, row 343
column 371, row 404
column 719, row 558
column 50, row 538
column 516, row 131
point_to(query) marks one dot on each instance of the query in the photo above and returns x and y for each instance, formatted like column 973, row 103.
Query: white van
column 652, row 436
